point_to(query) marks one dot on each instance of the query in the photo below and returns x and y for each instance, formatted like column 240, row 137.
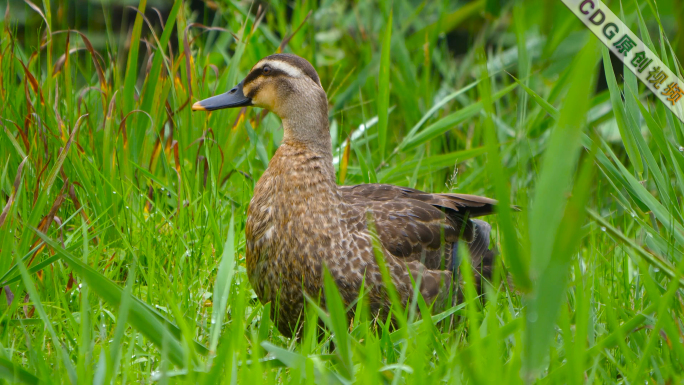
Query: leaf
column 287, row 39
column 129, row 96
column 121, row 322
column 384, row 88
column 396, row 313
column 547, row 213
column 290, row 359
column 35, row 299
column 57, row 167
column 15, row 373
column 152, row 80
column 338, row 318
column 344, row 164
column 619, row 111
column 652, row 259
column 149, row 322
column 224, row 279
column 631, row 325
column 519, row 262
column 551, row 110
column 439, row 105
column 467, row 11
column 448, row 122
column 14, row 142
column 258, row 144
column 34, row 83
column 661, row 212
column 15, row 189
column 38, row 10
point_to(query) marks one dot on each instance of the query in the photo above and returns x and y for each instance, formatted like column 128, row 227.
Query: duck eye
column 266, row 70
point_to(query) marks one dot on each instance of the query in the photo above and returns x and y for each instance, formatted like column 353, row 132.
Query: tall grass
column 122, row 213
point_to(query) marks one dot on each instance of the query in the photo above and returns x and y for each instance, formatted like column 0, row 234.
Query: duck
column 300, row 221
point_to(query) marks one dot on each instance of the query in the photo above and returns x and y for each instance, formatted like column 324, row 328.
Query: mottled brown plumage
column 300, row 221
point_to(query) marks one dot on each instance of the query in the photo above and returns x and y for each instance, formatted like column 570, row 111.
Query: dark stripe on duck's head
column 298, row 62
column 293, row 66
column 253, row 74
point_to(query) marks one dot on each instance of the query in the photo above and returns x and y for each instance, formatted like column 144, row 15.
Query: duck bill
column 233, row 98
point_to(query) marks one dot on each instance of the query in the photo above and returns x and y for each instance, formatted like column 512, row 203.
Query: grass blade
column 384, row 88
column 222, row 285
column 35, row 298
column 547, row 211
column 132, row 63
column 140, row 316
column 520, row 265
column 15, row 373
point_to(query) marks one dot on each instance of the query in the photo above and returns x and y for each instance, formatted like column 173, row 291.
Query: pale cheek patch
column 246, row 89
column 265, row 97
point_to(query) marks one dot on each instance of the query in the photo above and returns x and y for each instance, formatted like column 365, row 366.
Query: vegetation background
column 122, row 212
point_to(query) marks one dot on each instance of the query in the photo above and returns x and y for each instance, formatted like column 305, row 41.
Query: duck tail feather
column 482, row 258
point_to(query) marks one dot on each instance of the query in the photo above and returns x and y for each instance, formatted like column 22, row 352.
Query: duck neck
column 303, row 159
column 305, row 162
column 306, row 133
column 314, row 138
column 306, row 124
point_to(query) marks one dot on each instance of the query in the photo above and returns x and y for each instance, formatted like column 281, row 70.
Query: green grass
column 122, row 212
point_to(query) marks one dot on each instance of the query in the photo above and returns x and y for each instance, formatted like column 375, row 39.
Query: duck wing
column 474, row 205
column 417, row 226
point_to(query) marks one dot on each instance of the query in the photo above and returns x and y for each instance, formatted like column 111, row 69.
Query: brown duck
column 300, row 220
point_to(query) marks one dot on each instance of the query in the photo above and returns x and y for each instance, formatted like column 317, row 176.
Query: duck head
column 286, row 85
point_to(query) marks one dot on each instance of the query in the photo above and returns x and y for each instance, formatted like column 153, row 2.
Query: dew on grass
column 681, row 148
column 603, row 228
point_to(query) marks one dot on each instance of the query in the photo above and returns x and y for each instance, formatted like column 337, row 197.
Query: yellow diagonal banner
column 632, row 51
